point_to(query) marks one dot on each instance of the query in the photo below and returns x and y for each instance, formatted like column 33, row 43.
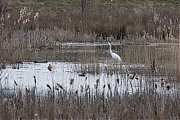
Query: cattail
column 82, row 74
column 95, row 86
column 48, row 86
column 117, row 81
column 155, row 85
column 18, row 21
column 27, row 20
column 97, row 81
column 168, row 87
column 136, row 76
column 15, row 82
column 25, row 8
column 162, row 82
column 102, row 98
column 127, row 71
column 34, row 79
column 36, row 16
column 71, row 81
column 29, row 14
column 87, row 88
column 109, row 87
column 27, row 90
column 130, row 76
column 8, row 16
column 35, row 115
column 24, row 22
column 49, row 67
column 76, row 92
column 153, row 67
column 140, row 95
column 81, row 88
column 56, row 88
column 59, row 86
column 2, row 20
column 14, row 22
column 21, row 17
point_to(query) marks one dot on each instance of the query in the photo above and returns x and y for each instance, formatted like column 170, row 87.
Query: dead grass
column 147, row 104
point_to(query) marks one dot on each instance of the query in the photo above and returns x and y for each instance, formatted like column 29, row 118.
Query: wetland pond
column 90, row 66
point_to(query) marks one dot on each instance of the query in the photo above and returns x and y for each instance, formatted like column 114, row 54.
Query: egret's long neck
column 110, row 49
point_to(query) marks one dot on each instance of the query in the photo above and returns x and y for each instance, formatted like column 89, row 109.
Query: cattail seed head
column 36, row 16
column 162, row 82
column 56, row 88
column 155, row 85
column 27, row 90
column 87, row 88
column 49, row 86
column 127, row 71
column 18, row 21
column 71, row 81
column 109, row 87
column 8, row 16
column 130, row 76
column 14, row 22
column 81, row 88
column 29, row 14
column 76, row 92
column 117, row 81
column 49, row 67
column 97, row 81
column 60, row 86
column 15, row 82
column 34, row 79
column 35, row 115
column 168, row 87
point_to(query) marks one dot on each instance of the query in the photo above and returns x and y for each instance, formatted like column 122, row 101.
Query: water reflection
column 95, row 60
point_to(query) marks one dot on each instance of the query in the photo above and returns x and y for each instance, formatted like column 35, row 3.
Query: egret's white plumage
column 114, row 55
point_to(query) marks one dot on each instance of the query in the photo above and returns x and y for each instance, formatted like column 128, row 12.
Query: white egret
column 114, row 55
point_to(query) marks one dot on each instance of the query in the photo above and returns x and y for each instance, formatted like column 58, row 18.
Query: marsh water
column 87, row 62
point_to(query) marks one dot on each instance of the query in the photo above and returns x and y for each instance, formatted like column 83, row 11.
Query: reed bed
column 91, row 102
